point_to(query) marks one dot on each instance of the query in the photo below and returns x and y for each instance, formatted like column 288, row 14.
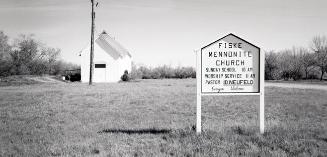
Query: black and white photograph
column 161, row 78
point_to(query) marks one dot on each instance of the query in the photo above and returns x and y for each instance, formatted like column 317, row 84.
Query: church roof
column 107, row 43
column 111, row 46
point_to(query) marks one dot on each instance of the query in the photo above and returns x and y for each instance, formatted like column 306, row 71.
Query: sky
column 158, row 32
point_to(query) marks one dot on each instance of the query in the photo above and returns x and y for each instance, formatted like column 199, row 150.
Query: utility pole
column 92, row 45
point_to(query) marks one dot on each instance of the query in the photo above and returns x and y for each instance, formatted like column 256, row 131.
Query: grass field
column 157, row 118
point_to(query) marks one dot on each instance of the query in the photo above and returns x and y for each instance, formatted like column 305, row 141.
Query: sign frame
column 200, row 93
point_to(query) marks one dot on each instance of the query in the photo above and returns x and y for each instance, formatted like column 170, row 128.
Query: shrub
column 5, row 68
column 185, row 72
column 125, row 76
column 145, row 72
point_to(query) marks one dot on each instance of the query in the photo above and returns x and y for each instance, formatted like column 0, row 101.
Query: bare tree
column 270, row 64
column 289, row 63
column 5, row 49
column 50, row 55
column 283, row 64
column 296, row 63
column 308, row 61
column 28, row 48
column 319, row 46
column 4, row 45
column 25, row 51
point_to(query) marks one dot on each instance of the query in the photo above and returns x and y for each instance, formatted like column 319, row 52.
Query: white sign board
column 230, row 65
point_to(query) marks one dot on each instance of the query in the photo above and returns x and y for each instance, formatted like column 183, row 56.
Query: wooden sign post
column 230, row 66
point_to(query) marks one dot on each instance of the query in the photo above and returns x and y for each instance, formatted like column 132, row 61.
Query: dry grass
column 19, row 80
column 156, row 118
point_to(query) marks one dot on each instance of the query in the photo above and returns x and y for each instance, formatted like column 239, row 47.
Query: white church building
column 110, row 60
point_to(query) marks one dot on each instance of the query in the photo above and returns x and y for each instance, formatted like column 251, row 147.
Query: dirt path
column 297, row 85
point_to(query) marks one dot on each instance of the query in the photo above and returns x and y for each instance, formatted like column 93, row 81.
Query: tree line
column 161, row 72
column 298, row 62
column 28, row 56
